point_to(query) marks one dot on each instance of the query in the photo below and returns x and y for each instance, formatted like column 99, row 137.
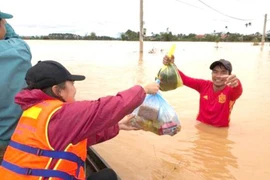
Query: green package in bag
column 169, row 78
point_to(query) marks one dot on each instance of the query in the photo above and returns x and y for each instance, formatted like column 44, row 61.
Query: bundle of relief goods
column 157, row 116
column 168, row 75
column 169, row 78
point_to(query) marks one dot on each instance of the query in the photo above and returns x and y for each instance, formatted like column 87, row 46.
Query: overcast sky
column 111, row 17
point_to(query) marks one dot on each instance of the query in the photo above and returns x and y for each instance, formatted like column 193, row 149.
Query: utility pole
column 264, row 29
column 141, row 27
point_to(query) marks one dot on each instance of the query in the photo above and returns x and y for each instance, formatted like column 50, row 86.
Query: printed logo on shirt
column 222, row 98
column 205, row 97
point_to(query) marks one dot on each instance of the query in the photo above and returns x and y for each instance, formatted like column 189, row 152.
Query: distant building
column 223, row 36
column 200, row 36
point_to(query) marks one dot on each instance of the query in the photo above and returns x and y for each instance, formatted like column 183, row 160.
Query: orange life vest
column 30, row 154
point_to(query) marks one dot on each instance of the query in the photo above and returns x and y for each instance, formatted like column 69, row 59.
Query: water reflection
column 140, row 57
column 140, row 71
column 212, row 153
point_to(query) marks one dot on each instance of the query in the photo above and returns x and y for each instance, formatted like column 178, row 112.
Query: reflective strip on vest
column 37, row 172
column 30, row 153
column 52, row 154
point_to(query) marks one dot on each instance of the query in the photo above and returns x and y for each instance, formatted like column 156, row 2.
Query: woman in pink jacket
column 76, row 121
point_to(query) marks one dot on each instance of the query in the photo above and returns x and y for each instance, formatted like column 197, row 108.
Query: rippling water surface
column 199, row 151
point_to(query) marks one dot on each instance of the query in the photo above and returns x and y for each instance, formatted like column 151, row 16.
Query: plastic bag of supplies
column 157, row 116
column 169, row 78
column 168, row 75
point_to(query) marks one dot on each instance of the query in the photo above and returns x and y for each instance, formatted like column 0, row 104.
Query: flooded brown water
column 199, row 151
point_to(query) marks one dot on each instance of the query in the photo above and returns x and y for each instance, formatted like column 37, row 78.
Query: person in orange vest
column 51, row 138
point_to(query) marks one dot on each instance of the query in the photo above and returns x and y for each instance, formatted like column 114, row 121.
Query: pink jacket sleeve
column 105, row 135
column 96, row 120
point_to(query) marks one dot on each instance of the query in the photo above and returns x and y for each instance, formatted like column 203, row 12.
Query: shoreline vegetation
column 130, row 35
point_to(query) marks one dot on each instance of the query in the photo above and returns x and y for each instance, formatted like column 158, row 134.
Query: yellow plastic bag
column 168, row 75
column 169, row 78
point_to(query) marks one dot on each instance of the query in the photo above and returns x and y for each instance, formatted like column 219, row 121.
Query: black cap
column 223, row 62
column 49, row 73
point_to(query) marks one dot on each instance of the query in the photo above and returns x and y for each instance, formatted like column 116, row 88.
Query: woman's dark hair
column 48, row 90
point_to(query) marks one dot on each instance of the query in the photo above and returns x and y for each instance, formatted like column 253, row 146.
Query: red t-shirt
column 215, row 107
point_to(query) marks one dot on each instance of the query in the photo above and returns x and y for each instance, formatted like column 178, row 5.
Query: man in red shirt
column 218, row 96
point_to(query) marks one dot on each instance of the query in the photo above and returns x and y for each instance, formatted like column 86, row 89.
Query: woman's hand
column 151, row 88
column 125, row 123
